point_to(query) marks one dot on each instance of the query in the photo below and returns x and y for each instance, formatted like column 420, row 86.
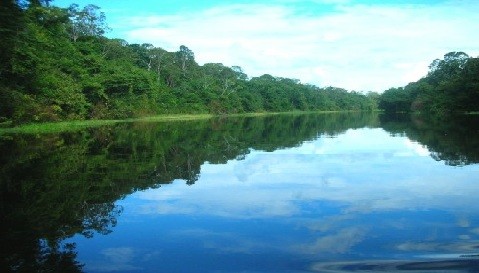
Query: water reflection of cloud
column 224, row 242
column 464, row 222
column 118, row 255
column 467, row 246
column 337, row 243
column 350, row 142
column 326, row 223
column 418, row 149
column 232, row 205
column 365, row 170
column 115, row 259
column 475, row 231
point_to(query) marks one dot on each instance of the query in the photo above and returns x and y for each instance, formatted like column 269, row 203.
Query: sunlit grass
column 55, row 127
column 69, row 126
column 171, row 118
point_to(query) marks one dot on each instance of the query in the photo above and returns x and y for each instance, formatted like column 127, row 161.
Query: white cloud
column 357, row 47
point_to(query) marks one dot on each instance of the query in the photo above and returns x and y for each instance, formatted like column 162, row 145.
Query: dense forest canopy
column 451, row 86
column 56, row 64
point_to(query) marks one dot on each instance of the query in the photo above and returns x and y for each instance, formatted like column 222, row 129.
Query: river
column 282, row 193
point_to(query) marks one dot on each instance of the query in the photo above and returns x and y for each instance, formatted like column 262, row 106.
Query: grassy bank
column 68, row 126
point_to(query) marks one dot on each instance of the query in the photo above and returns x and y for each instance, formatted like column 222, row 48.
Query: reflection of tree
column 57, row 185
column 99, row 218
column 454, row 141
column 47, row 196
column 24, row 252
column 51, row 259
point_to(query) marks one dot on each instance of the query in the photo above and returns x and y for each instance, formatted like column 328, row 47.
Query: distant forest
column 56, row 64
column 450, row 87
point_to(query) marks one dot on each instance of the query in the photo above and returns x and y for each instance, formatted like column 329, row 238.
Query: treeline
column 56, row 64
column 450, row 87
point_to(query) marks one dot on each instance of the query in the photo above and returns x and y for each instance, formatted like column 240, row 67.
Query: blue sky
column 362, row 45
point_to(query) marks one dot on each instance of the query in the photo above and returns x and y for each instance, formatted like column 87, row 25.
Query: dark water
column 287, row 193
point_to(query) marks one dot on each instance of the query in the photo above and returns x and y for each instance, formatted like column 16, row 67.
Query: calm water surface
column 288, row 193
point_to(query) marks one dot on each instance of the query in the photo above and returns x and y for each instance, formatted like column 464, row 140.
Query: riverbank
column 68, row 126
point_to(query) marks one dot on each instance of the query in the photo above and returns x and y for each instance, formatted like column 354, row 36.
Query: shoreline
column 74, row 125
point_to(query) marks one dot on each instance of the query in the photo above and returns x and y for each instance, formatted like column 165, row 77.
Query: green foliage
column 88, row 21
column 450, row 87
column 12, row 21
column 57, row 65
column 395, row 100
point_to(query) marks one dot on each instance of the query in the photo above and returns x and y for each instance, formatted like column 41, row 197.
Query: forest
column 450, row 87
column 56, row 64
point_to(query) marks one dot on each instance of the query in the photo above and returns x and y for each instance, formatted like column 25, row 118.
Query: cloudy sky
column 362, row 45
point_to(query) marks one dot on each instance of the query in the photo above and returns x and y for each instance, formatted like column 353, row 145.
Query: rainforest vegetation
column 56, row 64
column 450, row 87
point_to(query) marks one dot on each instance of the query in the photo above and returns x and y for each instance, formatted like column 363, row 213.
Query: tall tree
column 185, row 56
column 89, row 21
column 12, row 22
